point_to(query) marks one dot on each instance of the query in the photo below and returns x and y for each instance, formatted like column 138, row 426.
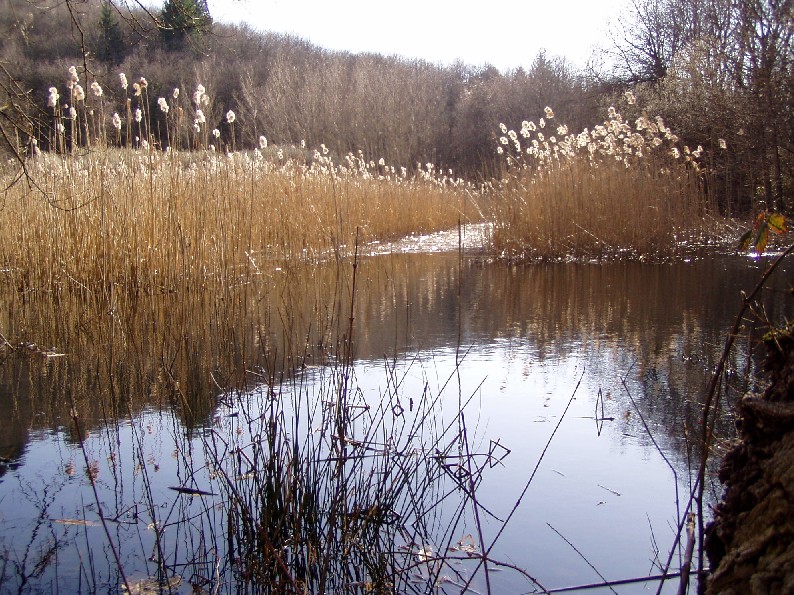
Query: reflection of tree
column 186, row 350
column 662, row 325
column 179, row 351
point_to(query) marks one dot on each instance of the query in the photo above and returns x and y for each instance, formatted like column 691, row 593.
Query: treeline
column 718, row 71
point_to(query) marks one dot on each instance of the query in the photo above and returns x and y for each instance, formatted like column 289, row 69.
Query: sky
column 504, row 33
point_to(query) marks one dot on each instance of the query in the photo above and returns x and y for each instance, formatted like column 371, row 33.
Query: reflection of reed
column 188, row 349
column 182, row 350
column 664, row 322
column 296, row 487
column 552, row 308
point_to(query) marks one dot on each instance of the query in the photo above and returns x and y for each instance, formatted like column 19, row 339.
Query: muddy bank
column 750, row 543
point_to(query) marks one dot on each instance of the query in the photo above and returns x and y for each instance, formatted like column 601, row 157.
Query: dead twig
column 583, row 557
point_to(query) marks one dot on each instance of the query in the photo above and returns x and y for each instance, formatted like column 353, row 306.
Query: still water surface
column 585, row 378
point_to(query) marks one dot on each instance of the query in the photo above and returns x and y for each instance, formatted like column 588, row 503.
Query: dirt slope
column 750, row 543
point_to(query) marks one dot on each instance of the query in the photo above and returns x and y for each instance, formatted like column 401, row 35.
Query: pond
column 548, row 414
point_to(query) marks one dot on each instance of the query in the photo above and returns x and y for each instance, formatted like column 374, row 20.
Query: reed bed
column 145, row 219
column 320, row 502
column 146, row 195
column 151, row 198
column 618, row 190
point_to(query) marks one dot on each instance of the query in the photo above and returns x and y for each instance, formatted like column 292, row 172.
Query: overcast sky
column 505, row 33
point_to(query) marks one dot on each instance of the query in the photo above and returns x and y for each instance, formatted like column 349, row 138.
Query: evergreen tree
column 110, row 47
column 184, row 22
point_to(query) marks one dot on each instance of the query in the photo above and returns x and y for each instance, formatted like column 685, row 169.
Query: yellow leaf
column 777, row 223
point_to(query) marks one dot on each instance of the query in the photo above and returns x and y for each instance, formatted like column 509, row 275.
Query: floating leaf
column 80, row 522
column 425, row 553
column 467, row 545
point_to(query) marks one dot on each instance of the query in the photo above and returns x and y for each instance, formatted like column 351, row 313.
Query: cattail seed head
column 198, row 94
column 52, row 101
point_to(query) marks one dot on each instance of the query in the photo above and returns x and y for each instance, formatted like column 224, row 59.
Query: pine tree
column 184, row 22
column 110, row 47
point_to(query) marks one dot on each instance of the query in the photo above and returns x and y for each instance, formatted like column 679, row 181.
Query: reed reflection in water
column 150, row 377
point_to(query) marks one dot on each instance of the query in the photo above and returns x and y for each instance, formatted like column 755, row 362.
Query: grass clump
column 616, row 190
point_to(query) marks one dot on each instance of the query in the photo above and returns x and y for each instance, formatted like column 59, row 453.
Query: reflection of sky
column 526, row 339
column 512, row 397
column 574, row 488
column 51, row 491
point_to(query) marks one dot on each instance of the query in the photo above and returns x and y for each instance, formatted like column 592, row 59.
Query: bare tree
column 649, row 35
column 720, row 72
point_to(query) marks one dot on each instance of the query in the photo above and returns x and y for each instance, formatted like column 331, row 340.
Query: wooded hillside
column 719, row 72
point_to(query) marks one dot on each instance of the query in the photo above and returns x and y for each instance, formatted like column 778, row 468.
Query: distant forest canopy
column 719, row 72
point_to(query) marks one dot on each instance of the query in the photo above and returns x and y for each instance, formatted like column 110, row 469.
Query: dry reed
column 618, row 190
column 158, row 220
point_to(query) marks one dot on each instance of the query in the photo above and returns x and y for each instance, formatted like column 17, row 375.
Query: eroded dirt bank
column 750, row 543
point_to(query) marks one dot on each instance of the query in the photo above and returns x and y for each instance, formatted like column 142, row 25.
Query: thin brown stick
column 527, row 484
column 98, row 502
column 617, row 583
column 583, row 557
column 475, row 503
column 683, row 586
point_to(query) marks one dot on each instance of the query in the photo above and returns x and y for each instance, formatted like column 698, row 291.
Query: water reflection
column 516, row 340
